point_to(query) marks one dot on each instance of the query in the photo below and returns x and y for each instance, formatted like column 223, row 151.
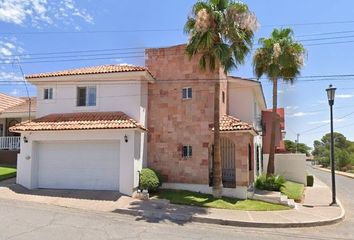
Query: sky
column 50, row 35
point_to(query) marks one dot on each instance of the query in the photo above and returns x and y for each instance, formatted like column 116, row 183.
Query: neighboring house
column 90, row 132
column 13, row 110
column 98, row 126
column 247, row 101
column 279, row 130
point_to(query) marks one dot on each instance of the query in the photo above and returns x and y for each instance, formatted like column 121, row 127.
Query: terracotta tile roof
column 113, row 68
column 23, row 106
column 79, row 121
column 7, row 101
column 229, row 123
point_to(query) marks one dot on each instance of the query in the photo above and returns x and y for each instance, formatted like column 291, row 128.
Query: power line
column 161, row 30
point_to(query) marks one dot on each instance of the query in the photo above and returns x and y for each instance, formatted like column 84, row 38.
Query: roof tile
column 79, row 121
column 229, row 123
column 113, row 68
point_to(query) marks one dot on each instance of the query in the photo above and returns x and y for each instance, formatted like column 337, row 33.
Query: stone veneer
column 174, row 122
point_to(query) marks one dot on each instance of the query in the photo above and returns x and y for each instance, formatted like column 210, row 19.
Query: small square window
column 48, row 93
column 187, row 93
column 187, row 151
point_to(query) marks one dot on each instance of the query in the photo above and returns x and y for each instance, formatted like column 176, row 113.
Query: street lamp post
column 330, row 94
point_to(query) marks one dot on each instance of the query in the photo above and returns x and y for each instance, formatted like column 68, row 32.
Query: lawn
column 206, row 200
column 7, row 172
column 293, row 190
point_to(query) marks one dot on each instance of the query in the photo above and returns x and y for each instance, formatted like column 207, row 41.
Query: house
column 180, row 123
column 96, row 127
column 267, row 118
column 13, row 110
column 90, row 130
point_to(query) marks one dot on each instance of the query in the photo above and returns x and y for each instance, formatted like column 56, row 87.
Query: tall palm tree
column 279, row 57
column 221, row 34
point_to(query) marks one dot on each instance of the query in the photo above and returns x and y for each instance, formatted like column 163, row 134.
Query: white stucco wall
column 291, row 166
column 241, row 103
column 128, row 97
column 130, row 157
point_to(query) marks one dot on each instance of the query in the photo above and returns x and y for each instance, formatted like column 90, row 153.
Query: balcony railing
column 9, row 143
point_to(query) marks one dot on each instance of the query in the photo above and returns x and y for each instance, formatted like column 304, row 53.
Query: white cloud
column 327, row 121
column 291, row 107
column 8, row 48
column 41, row 11
column 302, row 114
column 10, row 76
column 344, row 96
column 281, row 91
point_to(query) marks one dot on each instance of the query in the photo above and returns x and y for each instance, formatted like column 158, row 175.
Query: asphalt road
column 24, row 220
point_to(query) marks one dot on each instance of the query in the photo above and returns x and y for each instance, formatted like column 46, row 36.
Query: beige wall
column 291, row 166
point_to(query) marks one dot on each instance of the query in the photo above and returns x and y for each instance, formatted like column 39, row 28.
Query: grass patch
column 293, row 190
column 7, row 172
column 207, row 200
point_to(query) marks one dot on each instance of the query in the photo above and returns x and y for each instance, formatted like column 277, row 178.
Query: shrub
column 310, row 180
column 270, row 183
column 149, row 180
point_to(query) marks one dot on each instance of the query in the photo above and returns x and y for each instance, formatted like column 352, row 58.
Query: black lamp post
column 330, row 94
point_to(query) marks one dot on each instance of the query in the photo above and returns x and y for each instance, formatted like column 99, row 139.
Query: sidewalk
column 349, row 175
column 315, row 210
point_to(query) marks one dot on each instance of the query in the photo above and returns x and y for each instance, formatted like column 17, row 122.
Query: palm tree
column 279, row 57
column 221, row 34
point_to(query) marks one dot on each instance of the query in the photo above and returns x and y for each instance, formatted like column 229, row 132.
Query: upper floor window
column 187, row 151
column 48, row 93
column 86, row 96
column 187, row 93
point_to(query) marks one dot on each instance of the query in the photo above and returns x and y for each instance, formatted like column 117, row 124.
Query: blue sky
column 80, row 25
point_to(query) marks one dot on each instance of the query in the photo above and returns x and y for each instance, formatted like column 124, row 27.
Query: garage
column 78, row 165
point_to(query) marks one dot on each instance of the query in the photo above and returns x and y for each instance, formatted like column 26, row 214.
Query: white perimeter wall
column 131, row 156
column 291, row 166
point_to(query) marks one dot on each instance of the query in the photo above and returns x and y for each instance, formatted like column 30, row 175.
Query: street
column 23, row 220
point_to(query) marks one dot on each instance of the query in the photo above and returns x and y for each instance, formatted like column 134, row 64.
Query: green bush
column 270, row 183
column 149, row 180
column 310, row 180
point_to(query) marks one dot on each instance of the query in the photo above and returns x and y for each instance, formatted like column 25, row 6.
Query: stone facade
column 174, row 122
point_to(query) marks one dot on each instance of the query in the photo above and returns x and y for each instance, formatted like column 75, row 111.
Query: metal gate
column 227, row 148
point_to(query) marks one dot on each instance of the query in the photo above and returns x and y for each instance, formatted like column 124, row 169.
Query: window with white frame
column 86, row 96
column 187, row 151
column 48, row 93
column 187, row 93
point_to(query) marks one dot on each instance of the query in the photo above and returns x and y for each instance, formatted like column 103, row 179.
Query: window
column 187, row 151
column 223, row 97
column 86, row 96
column 187, row 93
column 48, row 93
column 1, row 129
column 250, row 162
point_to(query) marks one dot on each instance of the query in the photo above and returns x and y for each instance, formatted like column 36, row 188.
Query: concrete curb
column 337, row 172
column 228, row 222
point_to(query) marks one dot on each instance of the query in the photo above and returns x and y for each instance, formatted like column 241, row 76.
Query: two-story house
column 98, row 126
column 180, row 123
column 90, row 131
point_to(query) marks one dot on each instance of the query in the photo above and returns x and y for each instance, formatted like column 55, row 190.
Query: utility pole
column 297, row 140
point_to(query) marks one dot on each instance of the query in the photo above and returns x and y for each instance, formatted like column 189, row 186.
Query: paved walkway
column 314, row 211
column 345, row 174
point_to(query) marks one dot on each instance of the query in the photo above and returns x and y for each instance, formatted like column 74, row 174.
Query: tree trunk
column 270, row 169
column 217, row 174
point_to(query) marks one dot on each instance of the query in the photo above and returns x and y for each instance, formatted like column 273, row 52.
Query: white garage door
column 78, row 165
